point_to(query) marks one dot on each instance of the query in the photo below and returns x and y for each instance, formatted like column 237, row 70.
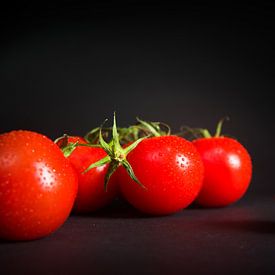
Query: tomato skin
column 228, row 171
column 171, row 170
column 37, row 186
column 91, row 195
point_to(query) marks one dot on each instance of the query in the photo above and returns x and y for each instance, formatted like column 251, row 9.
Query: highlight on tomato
column 227, row 165
column 91, row 195
column 38, row 186
column 158, row 175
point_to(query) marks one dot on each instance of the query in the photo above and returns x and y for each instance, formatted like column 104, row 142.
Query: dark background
column 65, row 67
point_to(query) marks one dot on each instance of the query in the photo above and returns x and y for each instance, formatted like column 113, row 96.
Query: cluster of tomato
column 41, row 181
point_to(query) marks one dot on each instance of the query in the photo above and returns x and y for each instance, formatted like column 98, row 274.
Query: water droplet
column 45, row 174
column 182, row 161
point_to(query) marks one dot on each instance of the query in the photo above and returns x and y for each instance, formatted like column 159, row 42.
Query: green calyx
column 116, row 154
column 126, row 135
column 201, row 132
column 130, row 134
column 68, row 147
column 219, row 126
column 156, row 129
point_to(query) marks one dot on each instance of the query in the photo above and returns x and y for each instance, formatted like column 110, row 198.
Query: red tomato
column 171, row 170
column 91, row 195
column 228, row 171
column 37, row 186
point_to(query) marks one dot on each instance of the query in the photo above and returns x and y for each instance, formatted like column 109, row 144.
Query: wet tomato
column 38, row 186
column 228, row 171
column 91, row 194
column 170, row 169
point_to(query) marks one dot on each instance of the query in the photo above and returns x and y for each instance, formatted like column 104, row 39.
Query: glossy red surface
column 228, row 171
column 37, row 186
column 91, row 194
column 171, row 170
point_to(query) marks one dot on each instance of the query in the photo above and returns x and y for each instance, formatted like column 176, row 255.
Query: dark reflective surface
column 240, row 238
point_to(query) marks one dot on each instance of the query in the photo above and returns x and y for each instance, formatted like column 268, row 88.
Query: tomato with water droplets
column 91, row 194
column 228, row 171
column 38, row 186
column 170, row 169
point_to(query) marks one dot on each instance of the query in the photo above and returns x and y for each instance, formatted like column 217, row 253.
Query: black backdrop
column 67, row 66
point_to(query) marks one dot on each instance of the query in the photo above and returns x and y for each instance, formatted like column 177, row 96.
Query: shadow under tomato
column 120, row 208
column 3, row 241
column 117, row 209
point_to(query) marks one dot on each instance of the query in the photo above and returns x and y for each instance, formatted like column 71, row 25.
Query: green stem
column 148, row 126
column 205, row 133
column 219, row 126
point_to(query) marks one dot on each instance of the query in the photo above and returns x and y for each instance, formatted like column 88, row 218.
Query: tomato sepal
column 203, row 132
column 116, row 155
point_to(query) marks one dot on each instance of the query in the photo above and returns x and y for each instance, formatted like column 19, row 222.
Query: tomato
column 171, row 170
column 37, row 186
column 91, row 194
column 228, row 171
